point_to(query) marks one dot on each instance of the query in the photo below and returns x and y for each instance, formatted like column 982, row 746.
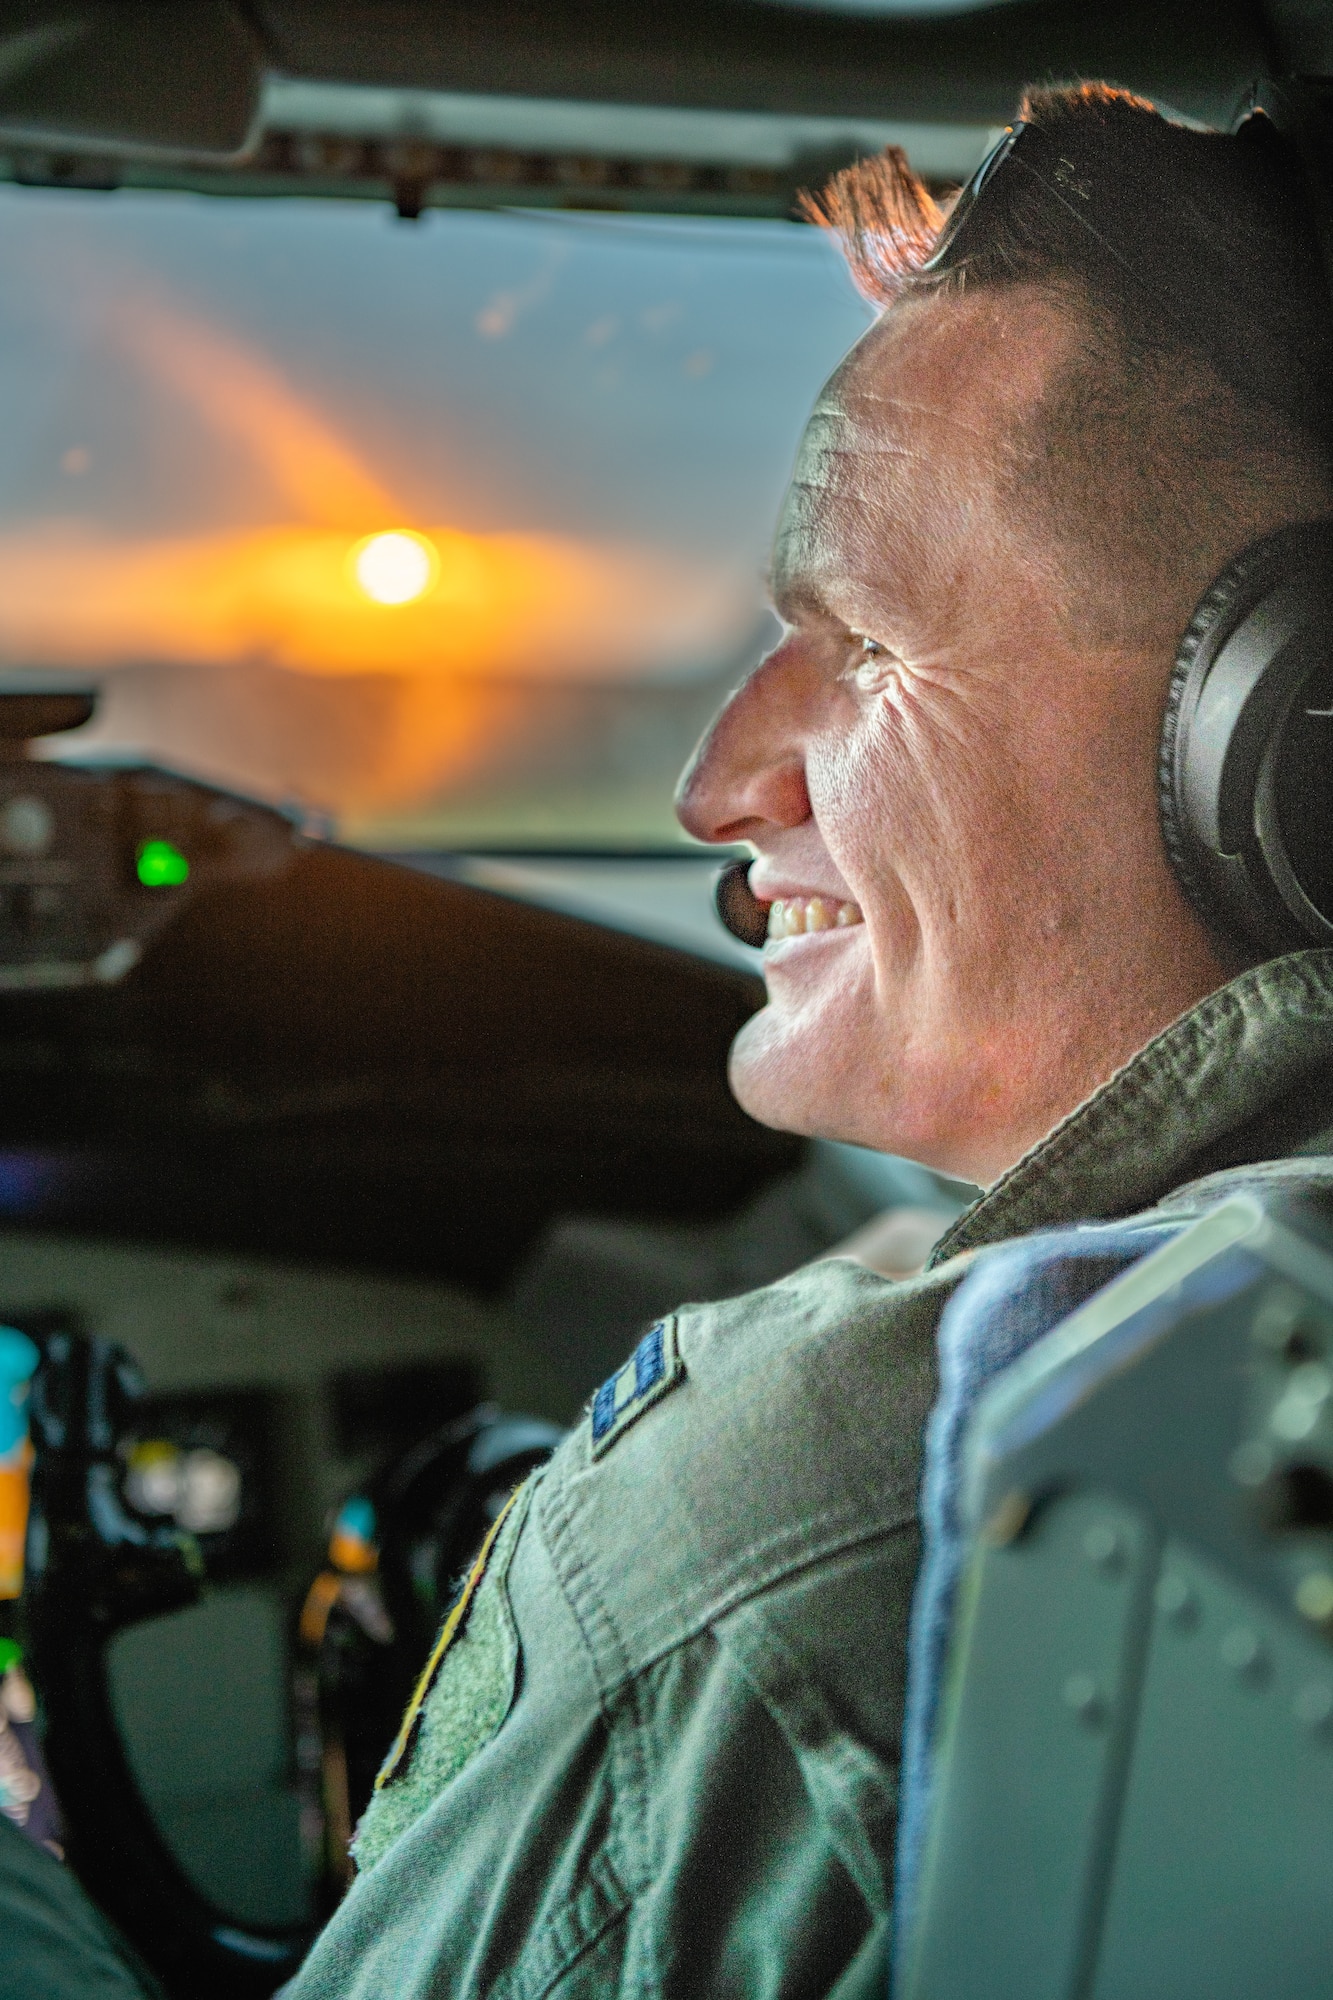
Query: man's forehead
column 864, row 466
column 916, row 415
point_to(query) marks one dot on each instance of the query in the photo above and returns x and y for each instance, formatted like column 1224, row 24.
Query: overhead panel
column 433, row 149
column 721, row 107
column 750, row 55
column 166, row 82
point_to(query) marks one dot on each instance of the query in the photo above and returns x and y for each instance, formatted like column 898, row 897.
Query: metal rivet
column 1294, row 1418
column 1308, row 1390
column 1314, row 1596
column 1082, row 1694
column 1243, row 1650
column 1276, row 1317
column 1313, row 1704
column 1104, row 1548
column 1176, row 1600
column 1250, row 1464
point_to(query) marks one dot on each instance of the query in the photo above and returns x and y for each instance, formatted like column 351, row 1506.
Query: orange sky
column 527, row 605
column 282, row 591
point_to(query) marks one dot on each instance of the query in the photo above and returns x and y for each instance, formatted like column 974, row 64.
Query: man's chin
column 781, row 1075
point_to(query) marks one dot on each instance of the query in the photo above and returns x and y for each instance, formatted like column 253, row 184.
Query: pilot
column 656, row 1749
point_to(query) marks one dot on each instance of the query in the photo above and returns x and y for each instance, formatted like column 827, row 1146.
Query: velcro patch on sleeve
column 654, row 1367
column 462, row 1698
column 451, row 1630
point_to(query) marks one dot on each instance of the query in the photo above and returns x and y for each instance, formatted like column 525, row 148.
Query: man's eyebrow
column 792, row 598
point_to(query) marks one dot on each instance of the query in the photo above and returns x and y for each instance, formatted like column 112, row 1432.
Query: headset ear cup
column 1214, row 615
column 1217, row 782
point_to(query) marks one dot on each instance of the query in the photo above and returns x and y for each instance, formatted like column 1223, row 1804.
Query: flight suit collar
column 1245, row 1075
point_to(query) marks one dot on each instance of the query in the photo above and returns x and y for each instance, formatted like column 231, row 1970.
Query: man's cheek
column 849, row 809
column 869, row 782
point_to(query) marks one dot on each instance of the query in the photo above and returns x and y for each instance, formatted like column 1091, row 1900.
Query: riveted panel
column 1224, row 1859
column 1038, row 1714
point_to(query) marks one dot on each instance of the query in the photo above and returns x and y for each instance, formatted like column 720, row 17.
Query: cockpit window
column 451, row 530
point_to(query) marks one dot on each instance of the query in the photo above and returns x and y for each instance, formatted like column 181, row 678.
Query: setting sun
column 396, row 567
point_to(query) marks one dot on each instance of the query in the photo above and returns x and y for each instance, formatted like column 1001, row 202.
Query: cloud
column 503, row 310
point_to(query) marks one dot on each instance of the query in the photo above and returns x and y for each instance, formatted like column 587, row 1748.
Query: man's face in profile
column 930, row 746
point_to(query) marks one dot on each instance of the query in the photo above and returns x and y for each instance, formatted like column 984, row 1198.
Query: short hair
column 1143, row 463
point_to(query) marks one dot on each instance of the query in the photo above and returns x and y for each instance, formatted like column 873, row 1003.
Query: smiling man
column 920, row 748
column 657, row 1748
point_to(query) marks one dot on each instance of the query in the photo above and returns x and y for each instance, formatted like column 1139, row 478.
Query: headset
column 1245, row 764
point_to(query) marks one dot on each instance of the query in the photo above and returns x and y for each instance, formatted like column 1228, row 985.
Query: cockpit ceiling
column 863, row 60
column 724, row 108
column 449, row 149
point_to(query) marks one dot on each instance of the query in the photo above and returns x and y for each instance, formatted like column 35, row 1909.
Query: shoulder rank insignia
column 654, row 1367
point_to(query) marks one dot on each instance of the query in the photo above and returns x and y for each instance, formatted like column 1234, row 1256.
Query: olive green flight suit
column 54, row 1944
column 658, row 1755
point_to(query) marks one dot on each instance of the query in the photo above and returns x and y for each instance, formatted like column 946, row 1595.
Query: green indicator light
column 160, row 865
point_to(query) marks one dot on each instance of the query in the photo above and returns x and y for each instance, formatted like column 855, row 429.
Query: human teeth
column 793, row 916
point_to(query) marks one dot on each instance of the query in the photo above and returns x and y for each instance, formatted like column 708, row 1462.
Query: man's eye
column 869, row 663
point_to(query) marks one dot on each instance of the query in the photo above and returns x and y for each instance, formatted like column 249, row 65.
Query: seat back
column 1133, row 1790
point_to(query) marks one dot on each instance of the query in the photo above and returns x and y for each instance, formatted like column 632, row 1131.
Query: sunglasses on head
column 1166, row 249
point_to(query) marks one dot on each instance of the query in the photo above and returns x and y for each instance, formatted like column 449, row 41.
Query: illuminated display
column 159, row 865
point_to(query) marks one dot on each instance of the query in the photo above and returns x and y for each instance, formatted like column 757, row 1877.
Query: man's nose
column 747, row 776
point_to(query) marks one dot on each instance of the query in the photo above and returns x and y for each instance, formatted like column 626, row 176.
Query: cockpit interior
column 396, row 400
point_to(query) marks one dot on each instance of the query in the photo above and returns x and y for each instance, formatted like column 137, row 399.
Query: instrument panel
column 95, row 863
